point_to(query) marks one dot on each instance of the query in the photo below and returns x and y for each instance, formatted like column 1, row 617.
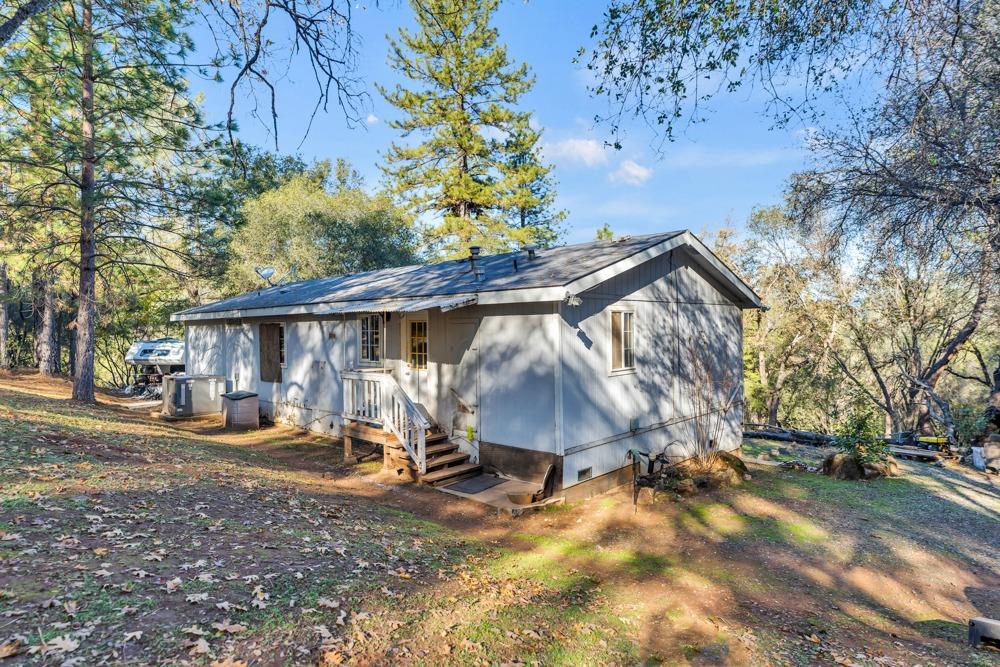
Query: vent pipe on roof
column 480, row 273
column 531, row 249
column 473, row 256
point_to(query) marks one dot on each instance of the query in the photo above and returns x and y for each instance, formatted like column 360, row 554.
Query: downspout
column 559, row 417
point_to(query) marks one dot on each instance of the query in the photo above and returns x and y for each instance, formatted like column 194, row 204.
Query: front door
column 415, row 337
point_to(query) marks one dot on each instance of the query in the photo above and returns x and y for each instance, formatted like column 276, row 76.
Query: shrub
column 861, row 437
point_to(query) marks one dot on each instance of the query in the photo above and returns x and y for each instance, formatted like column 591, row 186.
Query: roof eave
column 750, row 300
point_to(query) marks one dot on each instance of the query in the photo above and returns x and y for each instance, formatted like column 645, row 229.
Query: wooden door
column 415, row 337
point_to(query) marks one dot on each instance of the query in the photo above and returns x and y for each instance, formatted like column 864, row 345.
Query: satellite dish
column 265, row 272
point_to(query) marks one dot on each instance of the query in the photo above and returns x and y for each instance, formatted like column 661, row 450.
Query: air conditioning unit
column 192, row 395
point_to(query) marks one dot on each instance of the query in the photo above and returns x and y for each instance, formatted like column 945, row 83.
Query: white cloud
column 630, row 172
column 588, row 152
column 371, row 119
column 695, row 157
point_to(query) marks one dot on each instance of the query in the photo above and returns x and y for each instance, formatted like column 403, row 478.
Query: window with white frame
column 622, row 340
column 371, row 339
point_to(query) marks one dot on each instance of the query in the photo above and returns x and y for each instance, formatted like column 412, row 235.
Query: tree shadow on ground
column 791, row 564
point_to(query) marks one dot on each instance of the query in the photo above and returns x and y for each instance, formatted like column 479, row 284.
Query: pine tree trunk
column 4, row 318
column 48, row 349
column 60, row 326
column 83, row 373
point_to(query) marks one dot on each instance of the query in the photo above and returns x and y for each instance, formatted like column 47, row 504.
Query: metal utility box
column 192, row 395
column 241, row 410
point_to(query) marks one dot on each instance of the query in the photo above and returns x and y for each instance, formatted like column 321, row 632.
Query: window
column 371, row 339
column 418, row 344
column 281, row 345
column 272, row 352
column 622, row 340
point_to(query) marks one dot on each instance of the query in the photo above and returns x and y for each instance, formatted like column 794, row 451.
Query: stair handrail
column 391, row 408
column 406, row 422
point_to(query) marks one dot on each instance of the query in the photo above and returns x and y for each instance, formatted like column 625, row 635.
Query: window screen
column 281, row 345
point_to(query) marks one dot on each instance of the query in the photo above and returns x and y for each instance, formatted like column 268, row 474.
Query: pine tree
column 477, row 171
column 102, row 185
column 530, row 199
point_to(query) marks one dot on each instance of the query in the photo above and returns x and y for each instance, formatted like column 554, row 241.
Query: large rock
column 889, row 468
column 734, row 462
column 845, row 466
column 842, row 466
column 991, row 451
column 684, row 487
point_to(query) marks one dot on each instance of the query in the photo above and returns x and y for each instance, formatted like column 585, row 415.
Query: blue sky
column 713, row 174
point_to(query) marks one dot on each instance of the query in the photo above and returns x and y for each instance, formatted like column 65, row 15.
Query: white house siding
column 675, row 306
column 310, row 393
column 498, row 360
column 205, row 349
column 517, row 371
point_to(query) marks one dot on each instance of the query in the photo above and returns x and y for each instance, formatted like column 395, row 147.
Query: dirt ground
column 125, row 540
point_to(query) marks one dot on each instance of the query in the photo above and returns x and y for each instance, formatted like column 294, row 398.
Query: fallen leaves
column 195, row 598
column 229, row 628
column 61, row 644
column 228, row 662
column 200, row 647
column 11, row 648
column 260, row 597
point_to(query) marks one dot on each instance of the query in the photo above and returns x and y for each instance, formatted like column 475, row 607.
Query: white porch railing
column 376, row 398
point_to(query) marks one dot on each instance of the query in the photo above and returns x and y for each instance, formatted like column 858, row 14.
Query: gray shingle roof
column 551, row 268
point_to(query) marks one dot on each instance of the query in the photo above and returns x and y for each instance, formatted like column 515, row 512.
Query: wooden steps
column 439, row 450
column 434, row 438
column 445, row 464
column 452, row 474
column 442, row 460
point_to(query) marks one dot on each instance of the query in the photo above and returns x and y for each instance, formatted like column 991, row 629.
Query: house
column 567, row 356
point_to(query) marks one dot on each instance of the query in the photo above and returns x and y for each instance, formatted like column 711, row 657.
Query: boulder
column 842, row 466
column 888, row 468
column 845, row 466
column 734, row 462
column 991, row 451
column 684, row 487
